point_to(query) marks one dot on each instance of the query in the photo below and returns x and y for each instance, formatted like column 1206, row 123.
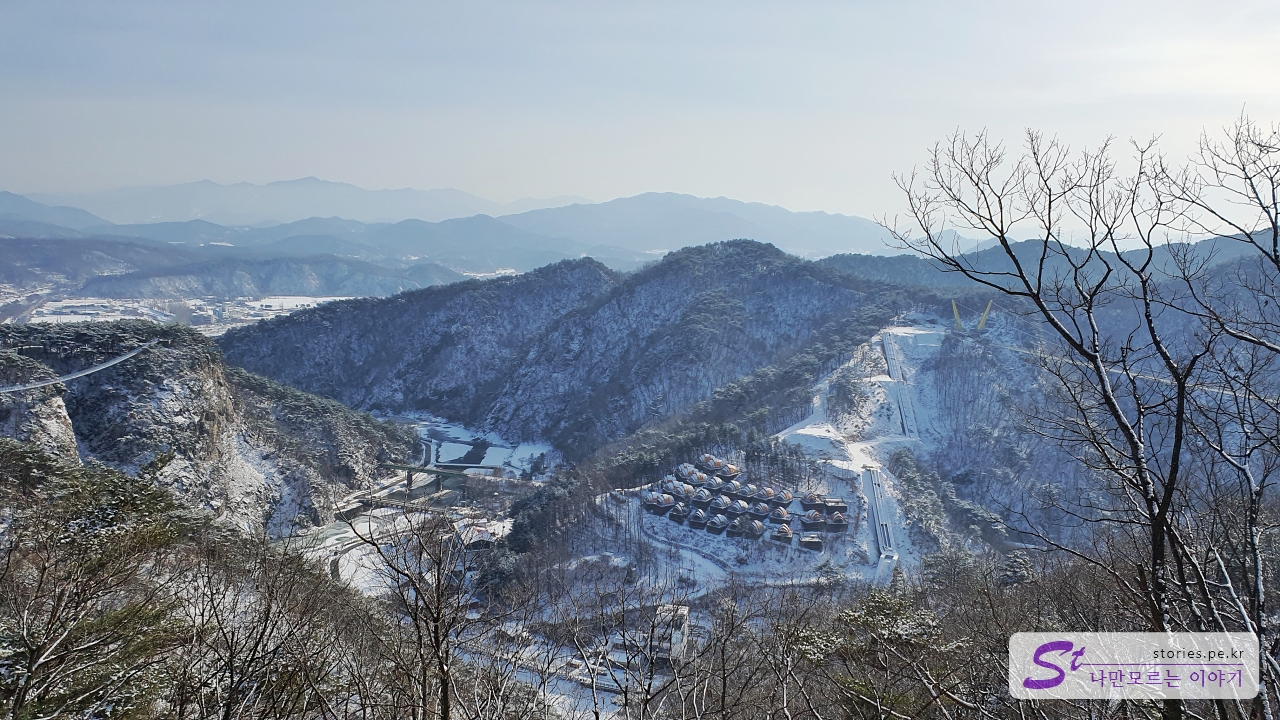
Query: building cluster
column 712, row 494
column 208, row 315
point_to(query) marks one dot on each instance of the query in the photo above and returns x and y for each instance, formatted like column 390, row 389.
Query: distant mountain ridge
column 669, row 221
column 476, row 244
column 323, row 276
column 333, row 254
column 286, row 201
column 622, row 233
column 120, row 268
column 17, row 207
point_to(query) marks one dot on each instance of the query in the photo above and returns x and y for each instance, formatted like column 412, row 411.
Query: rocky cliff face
column 244, row 447
column 570, row 353
column 36, row 416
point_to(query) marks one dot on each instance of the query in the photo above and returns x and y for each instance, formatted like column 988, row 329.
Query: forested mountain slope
column 912, row 269
column 571, row 353
column 446, row 349
column 665, row 339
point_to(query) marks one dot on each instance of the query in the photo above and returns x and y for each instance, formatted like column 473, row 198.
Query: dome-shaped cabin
column 813, row 520
column 697, row 519
column 837, row 522
column 729, row 472
column 717, row 524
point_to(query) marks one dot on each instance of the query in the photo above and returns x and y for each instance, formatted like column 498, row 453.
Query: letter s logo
column 1061, row 647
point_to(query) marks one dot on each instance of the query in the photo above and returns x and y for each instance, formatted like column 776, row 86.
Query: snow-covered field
column 453, row 441
column 210, row 317
column 96, row 310
column 289, row 302
column 341, row 542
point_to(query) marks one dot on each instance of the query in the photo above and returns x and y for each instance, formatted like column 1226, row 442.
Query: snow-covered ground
column 900, row 412
column 289, row 302
column 96, row 310
column 346, row 548
column 210, row 317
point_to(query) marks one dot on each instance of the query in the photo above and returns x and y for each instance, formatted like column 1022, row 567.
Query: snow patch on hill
column 899, row 409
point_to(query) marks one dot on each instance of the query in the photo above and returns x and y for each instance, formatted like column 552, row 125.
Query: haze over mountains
column 650, row 223
column 69, row 247
column 286, row 201
column 669, row 221
column 15, row 209
column 311, row 236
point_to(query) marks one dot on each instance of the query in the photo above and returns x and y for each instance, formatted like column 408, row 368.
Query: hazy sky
column 804, row 104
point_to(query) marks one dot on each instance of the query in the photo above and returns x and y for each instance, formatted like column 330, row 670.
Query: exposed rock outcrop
column 253, row 452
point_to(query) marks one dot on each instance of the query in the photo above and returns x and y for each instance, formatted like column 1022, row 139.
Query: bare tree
column 265, row 631
column 1135, row 354
column 428, row 578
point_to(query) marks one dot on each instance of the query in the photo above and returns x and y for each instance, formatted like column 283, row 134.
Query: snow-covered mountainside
column 571, row 353
column 938, row 413
column 446, row 350
column 250, row 450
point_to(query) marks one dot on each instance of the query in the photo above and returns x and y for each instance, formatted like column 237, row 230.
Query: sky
column 808, row 105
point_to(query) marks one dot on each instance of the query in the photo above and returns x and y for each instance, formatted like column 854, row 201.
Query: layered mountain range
column 95, row 267
column 287, row 201
column 624, row 234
